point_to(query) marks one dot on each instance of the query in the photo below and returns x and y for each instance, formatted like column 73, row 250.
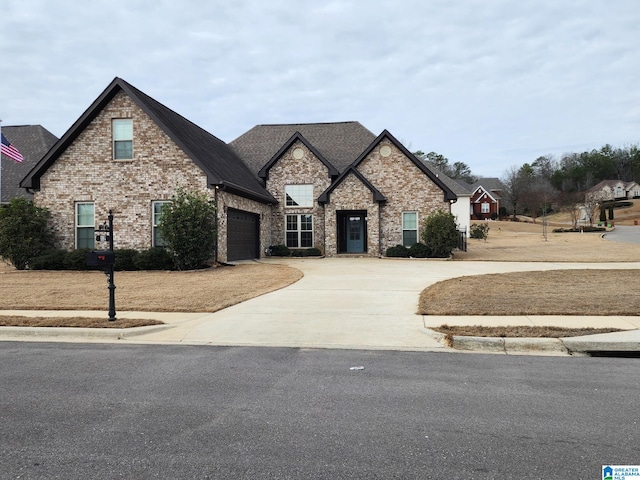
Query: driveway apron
column 366, row 303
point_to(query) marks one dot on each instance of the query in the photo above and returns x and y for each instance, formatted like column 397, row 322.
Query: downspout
column 379, row 229
column 215, row 199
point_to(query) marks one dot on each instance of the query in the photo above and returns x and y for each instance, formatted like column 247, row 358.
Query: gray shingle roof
column 460, row 188
column 340, row 143
column 212, row 155
column 490, row 184
column 33, row 141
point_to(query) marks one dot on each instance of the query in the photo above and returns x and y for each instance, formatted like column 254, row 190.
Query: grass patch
column 19, row 321
column 553, row 292
column 519, row 331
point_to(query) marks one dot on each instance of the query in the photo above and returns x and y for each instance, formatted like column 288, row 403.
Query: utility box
column 101, row 259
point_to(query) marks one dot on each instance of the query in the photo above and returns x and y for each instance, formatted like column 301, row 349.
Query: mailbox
column 102, row 259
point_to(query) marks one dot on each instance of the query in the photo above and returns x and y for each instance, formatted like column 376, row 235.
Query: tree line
column 561, row 183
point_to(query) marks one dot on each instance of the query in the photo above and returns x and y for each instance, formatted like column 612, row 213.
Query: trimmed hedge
column 126, row 259
column 399, row 251
column 419, row 250
column 284, row 251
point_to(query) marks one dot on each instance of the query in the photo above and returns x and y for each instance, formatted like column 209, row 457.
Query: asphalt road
column 74, row 411
column 624, row 234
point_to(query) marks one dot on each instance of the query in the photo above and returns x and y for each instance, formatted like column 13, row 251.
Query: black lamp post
column 106, row 230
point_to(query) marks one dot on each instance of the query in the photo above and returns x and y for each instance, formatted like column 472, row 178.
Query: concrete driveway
column 366, row 303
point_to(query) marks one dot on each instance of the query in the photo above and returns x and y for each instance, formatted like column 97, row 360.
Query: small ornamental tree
column 24, row 232
column 440, row 234
column 189, row 228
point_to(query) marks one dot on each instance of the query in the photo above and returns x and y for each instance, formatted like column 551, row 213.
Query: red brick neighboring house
column 485, row 199
column 334, row 186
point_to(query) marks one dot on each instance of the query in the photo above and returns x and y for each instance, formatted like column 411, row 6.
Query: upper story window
column 299, row 195
column 122, row 129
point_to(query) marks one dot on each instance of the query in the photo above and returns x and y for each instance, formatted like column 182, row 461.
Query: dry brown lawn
column 556, row 292
column 524, row 242
column 520, row 331
column 193, row 291
column 562, row 292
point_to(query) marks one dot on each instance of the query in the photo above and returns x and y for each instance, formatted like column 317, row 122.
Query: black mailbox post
column 105, row 260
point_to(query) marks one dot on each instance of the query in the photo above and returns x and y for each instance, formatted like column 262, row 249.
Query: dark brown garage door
column 242, row 235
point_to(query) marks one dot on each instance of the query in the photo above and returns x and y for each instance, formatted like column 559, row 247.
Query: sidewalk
column 351, row 304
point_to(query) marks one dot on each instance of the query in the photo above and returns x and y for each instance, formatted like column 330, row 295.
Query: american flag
column 9, row 150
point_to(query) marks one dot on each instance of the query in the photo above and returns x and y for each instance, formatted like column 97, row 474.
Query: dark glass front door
column 352, row 231
column 355, row 234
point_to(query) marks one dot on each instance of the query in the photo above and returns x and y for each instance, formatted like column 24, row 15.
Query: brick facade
column 352, row 195
column 406, row 188
column 291, row 171
column 84, row 171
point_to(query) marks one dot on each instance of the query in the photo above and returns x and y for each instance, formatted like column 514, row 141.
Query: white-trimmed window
column 409, row 228
column 486, row 208
column 299, row 231
column 156, row 236
column 122, row 129
column 298, row 195
column 85, row 225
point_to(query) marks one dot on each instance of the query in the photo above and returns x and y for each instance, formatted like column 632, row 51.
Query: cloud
column 490, row 83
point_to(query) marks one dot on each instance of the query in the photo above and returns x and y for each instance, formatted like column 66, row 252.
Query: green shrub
column 76, row 259
column 419, row 250
column 125, row 259
column 49, row 260
column 279, row 251
column 155, row 258
column 399, row 251
column 479, row 230
column 24, row 232
column 188, row 225
column 440, row 234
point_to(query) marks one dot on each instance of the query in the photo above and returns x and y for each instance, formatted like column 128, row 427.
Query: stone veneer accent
column 291, row 171
column 86, row 172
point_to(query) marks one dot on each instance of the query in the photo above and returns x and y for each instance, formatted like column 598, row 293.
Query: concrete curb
column 505, row 345
column 80, row 333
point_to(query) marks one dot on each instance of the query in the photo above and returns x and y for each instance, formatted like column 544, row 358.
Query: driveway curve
column 353, row 303
column 624, row 234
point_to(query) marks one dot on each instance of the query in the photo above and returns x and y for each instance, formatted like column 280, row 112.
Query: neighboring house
column 460, row 209
column 335, row 186
column 32, row 141
column 613, row 190
column 485, row 198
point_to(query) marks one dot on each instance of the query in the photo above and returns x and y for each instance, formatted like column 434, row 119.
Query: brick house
column 335, row 186
column 485, row 198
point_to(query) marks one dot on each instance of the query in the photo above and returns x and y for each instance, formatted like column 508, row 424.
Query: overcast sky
column 491, row 83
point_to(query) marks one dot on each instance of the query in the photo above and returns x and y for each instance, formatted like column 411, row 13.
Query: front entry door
column 352, row 231
column 355, row 234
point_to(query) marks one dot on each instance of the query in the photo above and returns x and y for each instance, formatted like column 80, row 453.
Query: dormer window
column 122, row 129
